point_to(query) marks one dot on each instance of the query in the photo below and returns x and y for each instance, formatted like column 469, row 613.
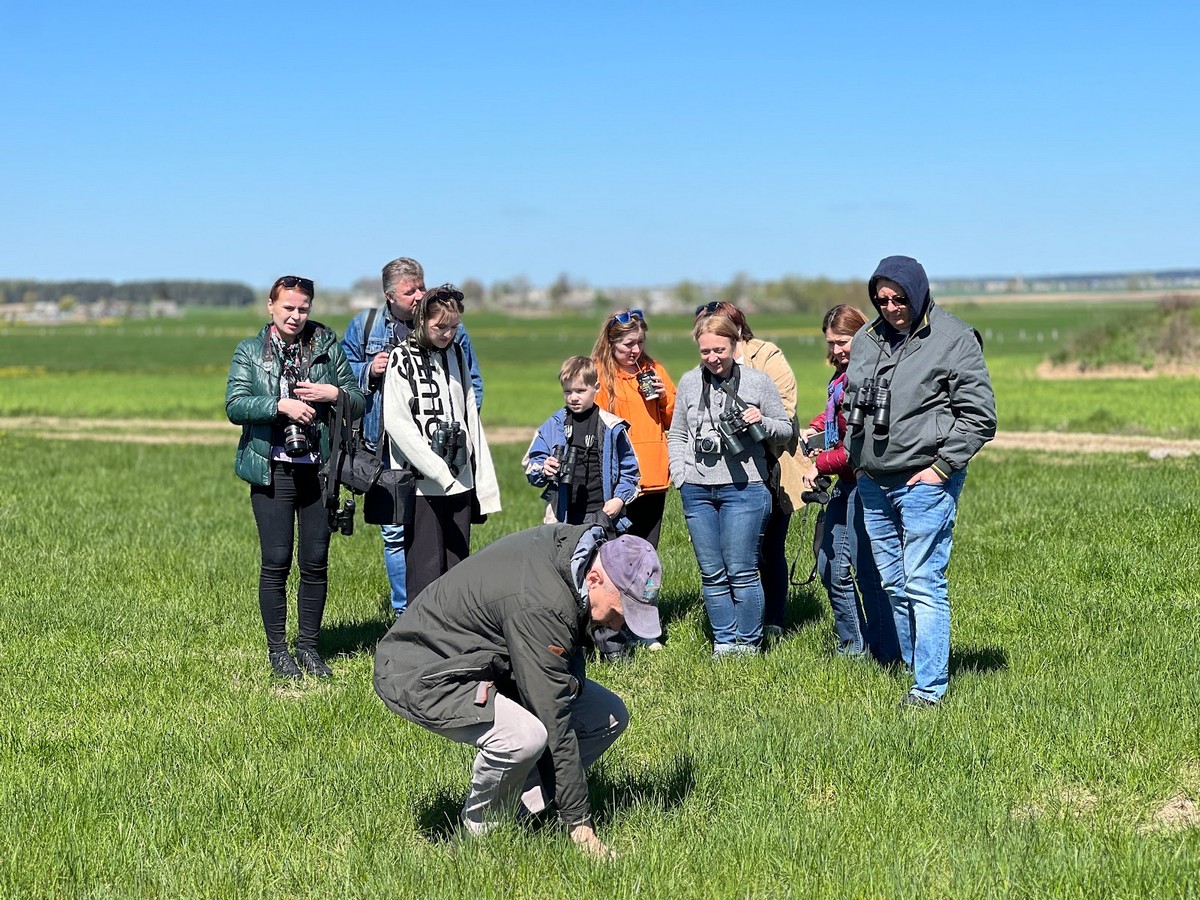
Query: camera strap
column 729, row 385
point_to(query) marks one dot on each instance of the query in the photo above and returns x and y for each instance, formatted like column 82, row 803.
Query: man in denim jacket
column 368, row 341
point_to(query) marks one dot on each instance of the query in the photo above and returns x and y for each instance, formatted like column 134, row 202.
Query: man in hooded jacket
column 489, row 655
column 919, row 406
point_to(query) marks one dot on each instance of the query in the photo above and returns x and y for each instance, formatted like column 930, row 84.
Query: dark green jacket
column 252, row 396
column 511, row 615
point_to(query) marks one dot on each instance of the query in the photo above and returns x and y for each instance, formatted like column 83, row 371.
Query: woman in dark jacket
column 283, row 387
column 844, row 560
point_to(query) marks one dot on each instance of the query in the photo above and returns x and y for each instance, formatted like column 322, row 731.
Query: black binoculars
column 448, row 443
column 820, row 491
column 737, row 433
column 875, row 398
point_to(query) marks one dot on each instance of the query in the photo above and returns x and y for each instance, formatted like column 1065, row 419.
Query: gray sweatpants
column 509, row 748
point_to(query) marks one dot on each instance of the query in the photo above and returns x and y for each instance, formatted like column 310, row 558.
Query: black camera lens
column 295, row 441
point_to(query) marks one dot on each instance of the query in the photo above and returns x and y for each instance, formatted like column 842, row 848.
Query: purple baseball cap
column 632, row 565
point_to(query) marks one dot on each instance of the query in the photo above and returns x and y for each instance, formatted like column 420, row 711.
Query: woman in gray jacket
column 724, row 413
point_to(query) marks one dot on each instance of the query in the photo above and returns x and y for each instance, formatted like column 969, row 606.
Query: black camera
column 295, row 440
column 449, row 443
column 875, row 398
column 708, row 445
column 820, row 491
column 342, row 518
column 737, row 433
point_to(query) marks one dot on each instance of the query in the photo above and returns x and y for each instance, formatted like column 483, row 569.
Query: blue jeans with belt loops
column 912, row 529
column 726, row 524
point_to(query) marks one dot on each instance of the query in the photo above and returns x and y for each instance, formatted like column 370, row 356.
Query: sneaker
column 617, row 656
column 476, row 829
column 918, row 701
column 312, row 662
column 653, row 645
column 283, row 666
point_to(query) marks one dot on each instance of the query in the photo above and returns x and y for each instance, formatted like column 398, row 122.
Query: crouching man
column 489, row 655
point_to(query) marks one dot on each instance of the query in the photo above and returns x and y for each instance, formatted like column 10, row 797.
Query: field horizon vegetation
column 145, row 751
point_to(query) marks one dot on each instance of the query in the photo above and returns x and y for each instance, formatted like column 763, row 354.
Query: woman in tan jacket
column 786, row 485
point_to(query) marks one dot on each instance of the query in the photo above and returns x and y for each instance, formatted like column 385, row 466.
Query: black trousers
column 773, row 567
column 294, row 495
column 438, row 539
column 645, row 516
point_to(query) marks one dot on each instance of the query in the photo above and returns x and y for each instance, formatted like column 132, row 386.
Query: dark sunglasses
column 445, row 293
column 291, row 282
column 624, row 318
column 708, row 308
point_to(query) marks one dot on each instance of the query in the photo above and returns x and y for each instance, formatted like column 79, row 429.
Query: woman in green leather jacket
column 283, row 387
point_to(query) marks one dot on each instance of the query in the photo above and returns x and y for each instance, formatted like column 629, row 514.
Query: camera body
column 820, row 491
column 707, row 445
column 449, row 443
column 873, row 397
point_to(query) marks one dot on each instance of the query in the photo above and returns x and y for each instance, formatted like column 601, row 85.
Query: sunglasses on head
column 627, row 316
column 708, row 308
column 291, row 282
column 445, row 292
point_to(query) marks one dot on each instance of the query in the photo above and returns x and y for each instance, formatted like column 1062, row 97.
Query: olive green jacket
column 252, row 395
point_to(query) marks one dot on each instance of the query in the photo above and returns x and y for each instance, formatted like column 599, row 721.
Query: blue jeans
column 726, row 523
column 393, row 543
column 393, row 561
column 911, row 530
column 847, row 570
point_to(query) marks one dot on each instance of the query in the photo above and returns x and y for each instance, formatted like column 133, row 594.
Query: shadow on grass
column 804, row 606
column 437, row 814
column 351, row 638
column 977, row 659
column 664, row 788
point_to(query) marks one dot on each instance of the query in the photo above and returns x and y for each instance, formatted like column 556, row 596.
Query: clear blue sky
column 622, row 143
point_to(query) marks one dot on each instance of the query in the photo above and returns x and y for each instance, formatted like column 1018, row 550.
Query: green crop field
column 175, row 368
column 144, row 750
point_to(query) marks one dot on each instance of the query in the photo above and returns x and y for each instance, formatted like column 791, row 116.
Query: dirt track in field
column 175, row 431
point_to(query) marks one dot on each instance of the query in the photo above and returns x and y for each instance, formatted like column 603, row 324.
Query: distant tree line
column 185, row 293
column 790, row 294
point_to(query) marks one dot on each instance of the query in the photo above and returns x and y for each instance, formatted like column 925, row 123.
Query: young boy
column 584, row 454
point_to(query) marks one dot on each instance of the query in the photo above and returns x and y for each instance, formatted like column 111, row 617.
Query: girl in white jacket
column 433, row 428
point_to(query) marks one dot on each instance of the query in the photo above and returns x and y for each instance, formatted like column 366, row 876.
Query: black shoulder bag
column 389, row 495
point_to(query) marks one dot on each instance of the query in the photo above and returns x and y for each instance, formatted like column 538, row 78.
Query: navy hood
column 910, row 275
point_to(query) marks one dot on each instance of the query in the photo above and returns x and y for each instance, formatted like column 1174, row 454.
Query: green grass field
column 174, row 369
column 146, row 752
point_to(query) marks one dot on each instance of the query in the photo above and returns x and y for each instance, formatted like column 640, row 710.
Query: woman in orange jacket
column 637, row 389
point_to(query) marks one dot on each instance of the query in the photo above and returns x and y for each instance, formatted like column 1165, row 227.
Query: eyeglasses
column 291, row 282
column 708, row 308
column 892, row 301
column 626, row 316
